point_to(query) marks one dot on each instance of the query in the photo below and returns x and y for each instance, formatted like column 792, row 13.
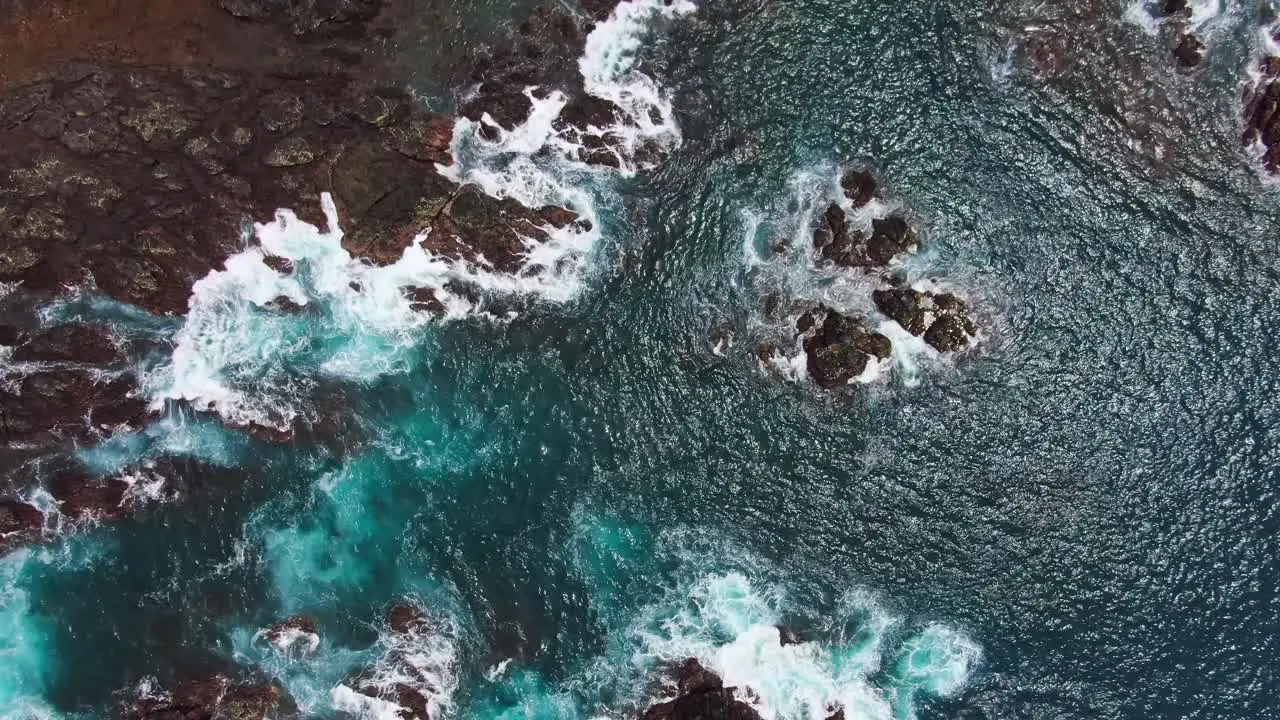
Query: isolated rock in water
column 1169, row 8
column 701, row 696
column 838, row 347
column 942, row 318
column 214, row 699
column 859, row 186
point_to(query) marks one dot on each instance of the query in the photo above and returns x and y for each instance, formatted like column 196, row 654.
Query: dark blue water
column 1077, row 519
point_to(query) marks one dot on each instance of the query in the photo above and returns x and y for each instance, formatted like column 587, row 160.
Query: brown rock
column 859, row 186
column 838, row 347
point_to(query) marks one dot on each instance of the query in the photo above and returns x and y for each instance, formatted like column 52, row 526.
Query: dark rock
column 905, row 306
column 81, row 496
column 838, row 349
column 701, row 696
column 836, row 714
column 405, row 618
column 787, row 636
column 424, row 300
column 282, row 265
column 942, row 318
column 1189, row 51
column 889, row 237
column 949, row 333
column 859, row 186
column 54, row 405
column 296, row 622
column 1175, row 7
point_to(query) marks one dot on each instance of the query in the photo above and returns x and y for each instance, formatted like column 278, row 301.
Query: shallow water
column 1076, row 520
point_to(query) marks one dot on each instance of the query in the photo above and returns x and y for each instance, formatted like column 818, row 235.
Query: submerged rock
column 217, row 698
column 20, row 523
column 838, row 347
column 701, row 695
column 941, row 318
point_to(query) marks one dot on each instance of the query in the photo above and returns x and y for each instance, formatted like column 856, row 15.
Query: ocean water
column 580, row 487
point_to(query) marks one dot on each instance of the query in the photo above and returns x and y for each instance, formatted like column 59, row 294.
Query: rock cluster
column 838, row 347
column 942, row 319
column 1262, row 109
column 215, row 698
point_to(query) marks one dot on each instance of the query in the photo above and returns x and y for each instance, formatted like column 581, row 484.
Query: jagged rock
column 405, row 617
column 81, row 496
column 1189, row 51
column 701, row 696
column 859, row 186
column 282, row 265
column 837, row 347
column 424, row 300
column 217, row 698
column 889, row 237
column 1175, row 7
column 836, row 242
column 942, row 318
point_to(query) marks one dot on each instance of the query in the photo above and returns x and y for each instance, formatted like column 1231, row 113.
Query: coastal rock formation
column 217, row 698
column 838, row 348
column 941, row 318
column 701, row 695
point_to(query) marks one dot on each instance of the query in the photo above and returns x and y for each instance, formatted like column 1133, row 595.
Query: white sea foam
column 730, row 625
column 425, row 658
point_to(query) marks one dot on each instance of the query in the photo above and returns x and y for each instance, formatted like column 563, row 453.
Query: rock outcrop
column 701, row 695
column 838, row 347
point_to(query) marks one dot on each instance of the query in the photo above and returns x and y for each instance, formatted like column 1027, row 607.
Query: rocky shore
column 130, row 168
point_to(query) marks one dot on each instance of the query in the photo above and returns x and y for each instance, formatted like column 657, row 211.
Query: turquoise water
column 1075, row 520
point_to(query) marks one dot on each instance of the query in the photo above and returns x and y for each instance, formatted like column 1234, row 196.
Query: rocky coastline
column 129, row 169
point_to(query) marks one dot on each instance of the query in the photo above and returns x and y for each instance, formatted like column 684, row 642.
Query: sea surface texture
column 617, row 460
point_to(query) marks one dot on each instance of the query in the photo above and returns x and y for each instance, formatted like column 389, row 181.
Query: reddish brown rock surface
column 217, row 698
